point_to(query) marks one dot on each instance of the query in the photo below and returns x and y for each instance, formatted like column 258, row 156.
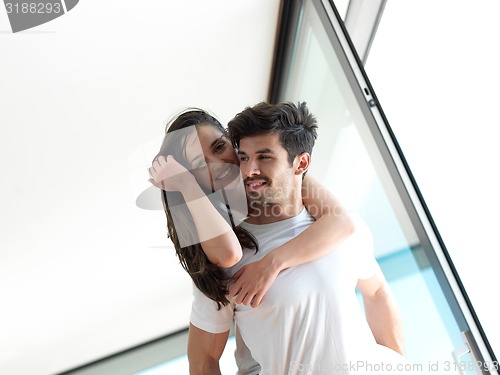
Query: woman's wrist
column 274, row 262
column 191, row 190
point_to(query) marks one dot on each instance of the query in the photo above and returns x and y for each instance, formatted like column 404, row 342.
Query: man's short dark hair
column 295, row 125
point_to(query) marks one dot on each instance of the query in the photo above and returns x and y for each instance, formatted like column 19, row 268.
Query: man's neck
column 271, row 213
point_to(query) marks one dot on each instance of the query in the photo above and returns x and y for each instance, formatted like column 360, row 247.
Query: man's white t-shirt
column 310, row 320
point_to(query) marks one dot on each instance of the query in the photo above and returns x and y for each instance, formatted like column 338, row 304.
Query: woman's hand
column 251, row 282
column 168, row 174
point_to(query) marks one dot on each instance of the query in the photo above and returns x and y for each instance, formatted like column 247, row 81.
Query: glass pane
column 357, row 165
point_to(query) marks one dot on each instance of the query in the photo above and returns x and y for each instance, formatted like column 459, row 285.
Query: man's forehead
column 269, row 142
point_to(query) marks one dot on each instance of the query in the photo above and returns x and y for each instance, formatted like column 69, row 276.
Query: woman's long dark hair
column 209, row 278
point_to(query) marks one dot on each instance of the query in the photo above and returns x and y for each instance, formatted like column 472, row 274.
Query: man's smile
column 255, row 184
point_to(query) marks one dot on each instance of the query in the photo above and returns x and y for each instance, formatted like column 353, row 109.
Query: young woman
column 204, row 200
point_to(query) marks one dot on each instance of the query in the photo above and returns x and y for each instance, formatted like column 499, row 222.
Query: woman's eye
column 220, row 147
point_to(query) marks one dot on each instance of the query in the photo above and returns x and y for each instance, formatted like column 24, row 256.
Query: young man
column 310, row 321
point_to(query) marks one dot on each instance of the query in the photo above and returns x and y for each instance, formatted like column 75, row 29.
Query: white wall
column 83, row 272
column 434, row 67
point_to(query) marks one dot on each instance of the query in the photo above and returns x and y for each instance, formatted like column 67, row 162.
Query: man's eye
column 243, row 158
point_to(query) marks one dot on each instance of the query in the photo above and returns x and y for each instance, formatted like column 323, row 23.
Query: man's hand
column 252, row 281
column 168, row 174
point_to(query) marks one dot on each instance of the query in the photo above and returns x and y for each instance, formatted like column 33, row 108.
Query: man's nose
column 250, row 168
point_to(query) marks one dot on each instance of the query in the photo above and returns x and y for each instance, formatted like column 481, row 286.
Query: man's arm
column 382, row 312
column 205, row 350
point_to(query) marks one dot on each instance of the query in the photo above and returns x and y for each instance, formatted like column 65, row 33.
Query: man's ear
column 302, row 161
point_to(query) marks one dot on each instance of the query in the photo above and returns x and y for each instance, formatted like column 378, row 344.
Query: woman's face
column 211, row 157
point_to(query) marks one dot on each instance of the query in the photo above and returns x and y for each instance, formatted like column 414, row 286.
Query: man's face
column 268, row 176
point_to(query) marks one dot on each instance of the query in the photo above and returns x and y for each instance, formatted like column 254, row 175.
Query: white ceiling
column 83, row 271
